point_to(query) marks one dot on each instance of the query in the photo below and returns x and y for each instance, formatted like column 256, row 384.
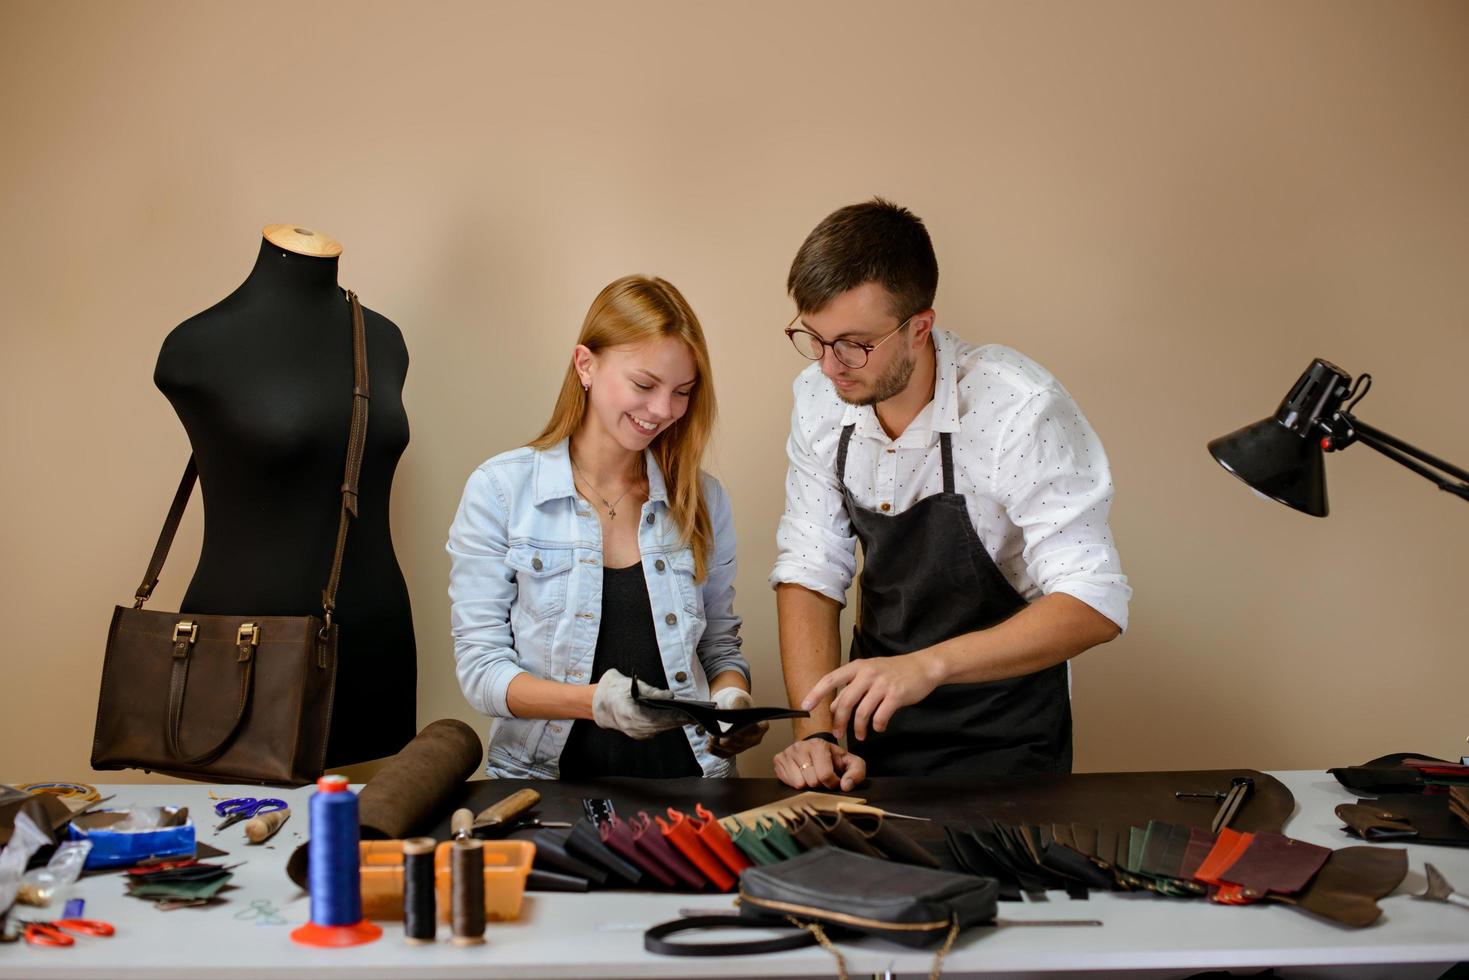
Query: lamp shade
column 1278, row 462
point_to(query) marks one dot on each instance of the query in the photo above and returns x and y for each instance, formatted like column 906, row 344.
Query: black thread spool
column 467, row 890
column 420, row 908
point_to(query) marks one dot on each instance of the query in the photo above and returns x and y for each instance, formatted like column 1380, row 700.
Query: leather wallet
column 755, row 849
column 714, row 719
column 778, row 838
column 617, row 835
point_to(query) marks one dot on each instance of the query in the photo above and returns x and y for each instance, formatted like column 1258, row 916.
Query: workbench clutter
column 1407, row 797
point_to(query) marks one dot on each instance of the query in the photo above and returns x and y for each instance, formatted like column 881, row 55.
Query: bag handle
column 356, row 439
column 184, row 635
column 655, row 937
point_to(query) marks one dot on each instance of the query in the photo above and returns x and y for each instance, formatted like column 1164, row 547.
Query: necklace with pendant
column 611, row 505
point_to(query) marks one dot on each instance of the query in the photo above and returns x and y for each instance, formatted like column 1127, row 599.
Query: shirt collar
column 553, row 477
column 939, row 415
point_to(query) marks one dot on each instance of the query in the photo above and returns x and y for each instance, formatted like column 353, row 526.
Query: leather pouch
column 754, row 849
column 585, row 842
column 840, row 832
column 889, row 840
column 650, row 841
column 834, row 888
column 1429, row 814
column 713, row 718
column 807, row 831
column 1374, row 823
column 228, row 698
column 680, row 833
column 777, row 838
column 717, row 839
column 618, row 837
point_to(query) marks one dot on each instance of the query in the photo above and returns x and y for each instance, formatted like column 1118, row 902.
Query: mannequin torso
column 262, row 382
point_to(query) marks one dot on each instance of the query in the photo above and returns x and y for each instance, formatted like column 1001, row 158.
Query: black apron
column 927, row 578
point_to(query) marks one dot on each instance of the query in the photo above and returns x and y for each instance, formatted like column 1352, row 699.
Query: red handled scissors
column 51, row 934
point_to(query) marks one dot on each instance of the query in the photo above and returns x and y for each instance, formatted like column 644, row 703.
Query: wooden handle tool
column 507, row 811
column 262, row 828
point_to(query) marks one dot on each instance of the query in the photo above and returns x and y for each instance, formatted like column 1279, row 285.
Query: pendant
column 611, row 512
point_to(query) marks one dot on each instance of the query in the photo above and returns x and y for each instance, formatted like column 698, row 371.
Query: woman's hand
column 736, row 740
column 614, row 708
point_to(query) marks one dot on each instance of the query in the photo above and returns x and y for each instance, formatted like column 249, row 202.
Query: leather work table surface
column 599, row 934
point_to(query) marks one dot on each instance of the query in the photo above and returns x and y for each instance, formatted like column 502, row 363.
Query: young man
column 980, row 496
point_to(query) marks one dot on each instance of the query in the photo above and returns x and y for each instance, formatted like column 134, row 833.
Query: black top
column 626, row 642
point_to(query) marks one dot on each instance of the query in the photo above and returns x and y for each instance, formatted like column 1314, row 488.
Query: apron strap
column 948, row 455
column 842, row 455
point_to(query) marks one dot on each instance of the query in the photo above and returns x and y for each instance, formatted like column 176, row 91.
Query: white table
column 600, row 934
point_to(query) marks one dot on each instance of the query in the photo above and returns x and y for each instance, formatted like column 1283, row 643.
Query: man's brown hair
column 875, row 241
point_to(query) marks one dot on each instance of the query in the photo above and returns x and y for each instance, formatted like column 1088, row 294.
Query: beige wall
column 1173, row 206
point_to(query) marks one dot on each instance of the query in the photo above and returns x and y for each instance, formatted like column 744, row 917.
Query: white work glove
column 733, row 742
column 614, row 708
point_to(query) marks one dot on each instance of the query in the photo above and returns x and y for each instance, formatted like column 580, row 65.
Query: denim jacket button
column 659, row 564
column 650, row 518
column 699, row 730
column 670, row 619
column 680, row 677
column 536, row 564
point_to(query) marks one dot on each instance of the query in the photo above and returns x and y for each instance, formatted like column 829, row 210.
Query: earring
column 586, row 386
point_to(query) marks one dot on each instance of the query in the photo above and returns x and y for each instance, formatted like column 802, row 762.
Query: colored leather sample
column 679, row 832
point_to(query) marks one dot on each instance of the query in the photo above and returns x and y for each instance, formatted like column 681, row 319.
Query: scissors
column 243, row 808
column 51, row 934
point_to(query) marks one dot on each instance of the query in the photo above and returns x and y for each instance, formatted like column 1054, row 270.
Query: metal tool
column 55, row 932
column 1240, row 788
column 244, row 808
column 1439, row 889
column 512, row 814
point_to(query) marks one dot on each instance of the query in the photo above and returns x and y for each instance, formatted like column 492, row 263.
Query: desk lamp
column 1282, row 456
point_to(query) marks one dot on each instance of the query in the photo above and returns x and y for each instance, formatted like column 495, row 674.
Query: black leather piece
column 1074, row 865
column 1385, row 774
column 552, row 855
column 975, row 860
column 540, row 880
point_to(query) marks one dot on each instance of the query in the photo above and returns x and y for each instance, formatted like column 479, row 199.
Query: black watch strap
column 824, row 736
column 654, row 941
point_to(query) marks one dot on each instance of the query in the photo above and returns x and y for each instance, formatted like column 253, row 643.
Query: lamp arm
column 1399, row 452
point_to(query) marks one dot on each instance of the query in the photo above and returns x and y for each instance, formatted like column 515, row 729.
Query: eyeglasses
column 852, row 353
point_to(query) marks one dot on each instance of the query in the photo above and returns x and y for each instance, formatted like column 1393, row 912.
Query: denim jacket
column 525, row 591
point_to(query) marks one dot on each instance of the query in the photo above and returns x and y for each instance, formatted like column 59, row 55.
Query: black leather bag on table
column 223, row 698
column 831, row 888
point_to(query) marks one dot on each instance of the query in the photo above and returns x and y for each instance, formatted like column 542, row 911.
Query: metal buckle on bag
column 249, row 633
column 185, row 629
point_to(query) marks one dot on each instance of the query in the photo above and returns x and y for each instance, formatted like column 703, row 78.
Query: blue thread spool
column 333, row 875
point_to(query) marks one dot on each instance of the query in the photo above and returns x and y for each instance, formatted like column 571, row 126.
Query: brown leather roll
column 418, row 786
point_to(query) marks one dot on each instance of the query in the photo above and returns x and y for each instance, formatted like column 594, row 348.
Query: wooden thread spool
column 420, row 908
column 467, row 891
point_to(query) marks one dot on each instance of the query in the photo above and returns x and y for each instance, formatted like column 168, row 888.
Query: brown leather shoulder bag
column 235, row 699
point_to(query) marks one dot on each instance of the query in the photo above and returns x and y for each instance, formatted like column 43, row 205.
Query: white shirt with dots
column 1031, row 470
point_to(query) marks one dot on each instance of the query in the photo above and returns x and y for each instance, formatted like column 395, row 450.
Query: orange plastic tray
column 507, row 864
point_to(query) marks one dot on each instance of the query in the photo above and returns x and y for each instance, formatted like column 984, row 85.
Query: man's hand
column 873, row 688
column 815, row 763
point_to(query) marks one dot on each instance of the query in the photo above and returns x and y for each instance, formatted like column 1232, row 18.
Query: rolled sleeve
column 482, row 588
column 1054, row 481
column 719, row 647
column 816, row 548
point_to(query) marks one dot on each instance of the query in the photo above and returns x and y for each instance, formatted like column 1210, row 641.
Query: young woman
column 601, row 552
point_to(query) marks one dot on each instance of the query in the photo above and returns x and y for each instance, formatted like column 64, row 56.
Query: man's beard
column 889, row 383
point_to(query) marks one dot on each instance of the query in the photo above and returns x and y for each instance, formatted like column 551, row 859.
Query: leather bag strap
column 183, row 646
column 356, row 440
column 655, row 941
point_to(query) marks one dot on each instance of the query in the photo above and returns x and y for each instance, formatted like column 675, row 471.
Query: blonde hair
column 635, row 310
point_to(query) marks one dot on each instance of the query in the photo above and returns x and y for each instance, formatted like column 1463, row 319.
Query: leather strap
column 356, row 440
column 654, row 940
column 177, row 683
